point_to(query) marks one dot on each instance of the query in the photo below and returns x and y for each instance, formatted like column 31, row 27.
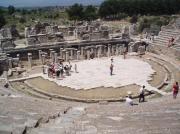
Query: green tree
column 75, row 12
column 11, row 9
column 90, row 13
column 111, row 8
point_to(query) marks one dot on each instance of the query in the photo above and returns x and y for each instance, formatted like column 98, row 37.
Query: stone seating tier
column 165, row 35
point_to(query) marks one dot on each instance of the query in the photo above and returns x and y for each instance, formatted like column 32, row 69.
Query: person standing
column 75, row 68
column 111, row 69
column 175, row 90
column 141, row 94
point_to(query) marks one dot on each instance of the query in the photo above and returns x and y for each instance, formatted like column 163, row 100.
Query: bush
column 133, row 19
column 22, row 20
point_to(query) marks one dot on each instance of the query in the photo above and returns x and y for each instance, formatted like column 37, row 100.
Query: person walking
column 141, row 94
column 175, row 89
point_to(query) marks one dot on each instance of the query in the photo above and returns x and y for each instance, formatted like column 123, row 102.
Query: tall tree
column 90, row 13
column 11, row 9
column 75, row 12
column 134, row 7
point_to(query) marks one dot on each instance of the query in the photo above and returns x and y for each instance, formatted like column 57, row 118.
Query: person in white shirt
column 141, row 94
column 129, row 101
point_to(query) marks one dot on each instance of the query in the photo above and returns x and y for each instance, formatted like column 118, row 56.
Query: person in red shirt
column 175, row 90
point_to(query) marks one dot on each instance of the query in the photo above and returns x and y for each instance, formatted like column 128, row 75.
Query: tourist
column 129, row 100
column 175, row 89
column 66, row 68
column 75, row 68
column 49, row 70
column 43, row 69
column 124, row 53
column 57, row 70
column 112, row 60
column 141, row 94
column 70, row 66
column 171, row 41
column 61, row 69
column 111, row 69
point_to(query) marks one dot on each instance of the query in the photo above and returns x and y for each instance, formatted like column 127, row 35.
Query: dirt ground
column 97, row 93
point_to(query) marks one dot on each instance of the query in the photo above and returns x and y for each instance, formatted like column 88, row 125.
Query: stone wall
column 6, row 43
column 3, row 63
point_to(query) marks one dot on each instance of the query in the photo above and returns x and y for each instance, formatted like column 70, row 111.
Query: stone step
column 25, row 89
column 165, row 37
column 162, row 42
column 170, row 31
column 63, row 124
column 170, row 34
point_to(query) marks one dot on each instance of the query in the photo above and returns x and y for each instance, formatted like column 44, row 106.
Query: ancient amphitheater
column 89, row 100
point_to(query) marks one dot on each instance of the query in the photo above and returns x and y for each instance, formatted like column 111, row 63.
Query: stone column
column 109, row 50
column 50, row 53
column 55, row 57
column 113, row 50
column 78, row 55
column 52, row 56
column 88, row 54
column 72, row 56
column 103, row 53
column 43, row 59
column 95, row 52
column 67, row 56
column 61, row 53
column 18, row 56
column 117, row 49
column 40, row 55
column 30, row 60
column 10, row 62
column 82, row 52
column 64, row 54
column 121, row 49
column 99, row 51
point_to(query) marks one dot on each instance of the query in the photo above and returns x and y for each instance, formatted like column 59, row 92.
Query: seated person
column 129, row 100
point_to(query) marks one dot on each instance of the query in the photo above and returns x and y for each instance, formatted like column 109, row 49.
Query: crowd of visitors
column 58, row 70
